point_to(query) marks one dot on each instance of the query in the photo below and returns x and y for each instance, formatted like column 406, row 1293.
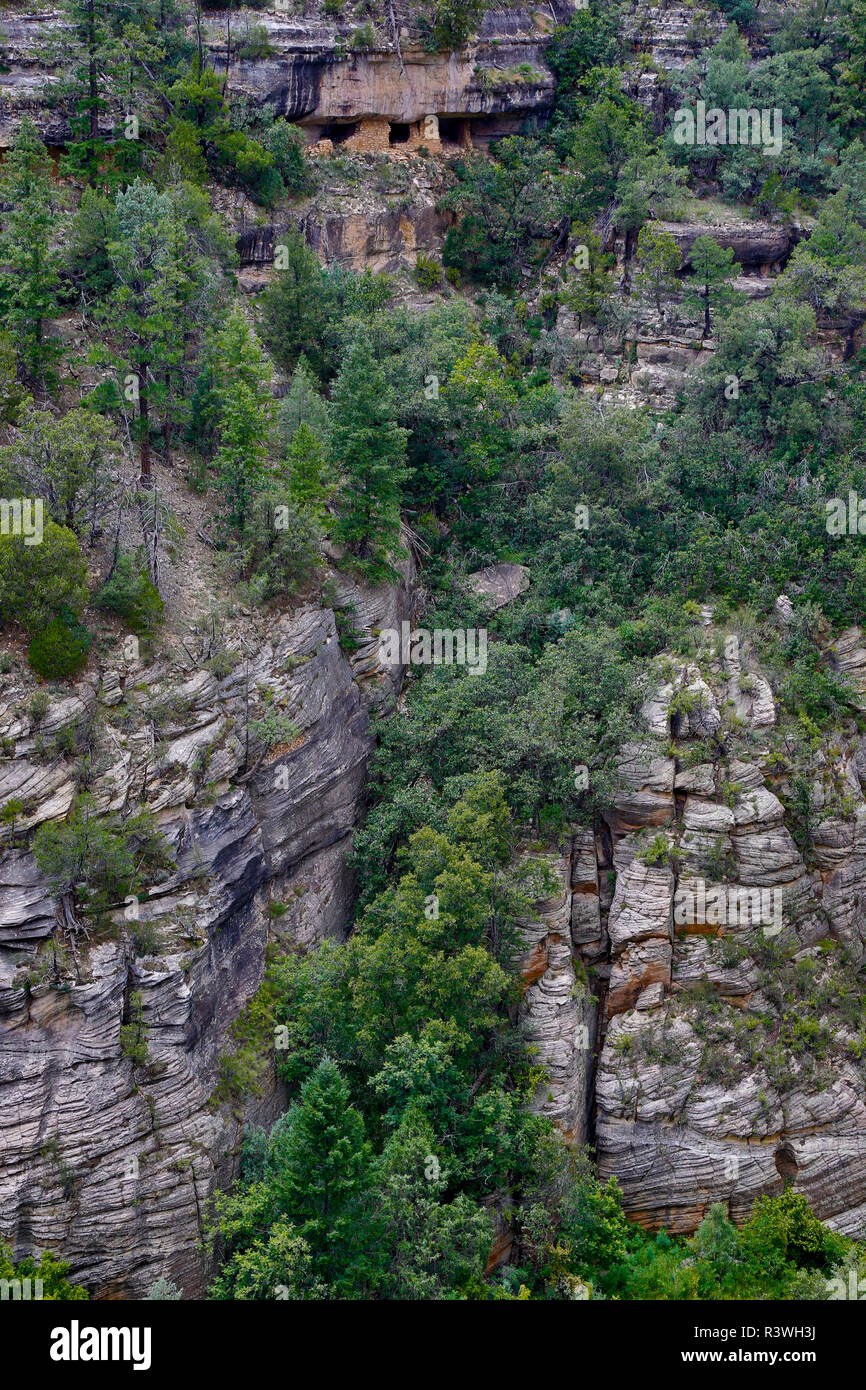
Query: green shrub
column 428, row 272
column 37, row 581
column 37, row 707
column 49, row 1271
column 657, row 852
column 60, row 650
column 281, row 547
column 244, row 162
column 364, row 37
column 256, row 43
column 146, row 939
column 131, row 596
column 286, row 144
column 133, row 1035
column 101, row 859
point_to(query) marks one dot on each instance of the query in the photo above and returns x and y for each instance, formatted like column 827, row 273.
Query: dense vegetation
column 408, row 1132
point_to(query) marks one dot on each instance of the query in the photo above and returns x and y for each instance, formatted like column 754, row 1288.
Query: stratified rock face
column 557, row 1011
column 757, row 246
column 849, row 658
column 728, row 1065
column 111, row 1165
column 723, row 1062
column 310, row 78
column 315, row 75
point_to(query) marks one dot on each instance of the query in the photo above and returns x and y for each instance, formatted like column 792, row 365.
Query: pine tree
column 713, row 268
column 659, row 260
column 29, row 282
column 302, row 405
column 310, row 483
column 107, row 50
column 145, row 316
column 368, row 448
column 296, row 307
column 245, row 408
column 323, row 1179
column 433, row 1246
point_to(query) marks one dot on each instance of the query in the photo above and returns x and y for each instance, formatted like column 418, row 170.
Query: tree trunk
column 167, row 422
column 144, row 426
column 228, row 47
column 93, row 91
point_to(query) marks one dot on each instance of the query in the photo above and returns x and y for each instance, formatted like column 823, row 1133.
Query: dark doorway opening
column 399, row 133
column 339, row 132
column 451, row 129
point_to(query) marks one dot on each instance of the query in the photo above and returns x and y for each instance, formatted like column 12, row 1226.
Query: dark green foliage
column 798, row 82
column 100, row 859
column 589, row 41
column 713, row 267
column 133, row 1033
column 509, row 210
column 454, row 21
column 307, row 310
column 93, row 227
column 130, row 595
column 286, row 144
column 59, row 650
column 29, row 282
column 37, row 581
column 368, row 447
column 480, row 432
column 281, row 542
column 316, row 1191
column 202, row 133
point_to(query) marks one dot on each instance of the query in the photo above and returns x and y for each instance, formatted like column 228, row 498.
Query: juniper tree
column 65, row 459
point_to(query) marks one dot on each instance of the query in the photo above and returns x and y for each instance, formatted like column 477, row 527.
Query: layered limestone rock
column 388, row 88
column 557, row 1011
column 372, row 87
column 719, row 934
column 107, row 1161
column 725, row 941
column 651, row 361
